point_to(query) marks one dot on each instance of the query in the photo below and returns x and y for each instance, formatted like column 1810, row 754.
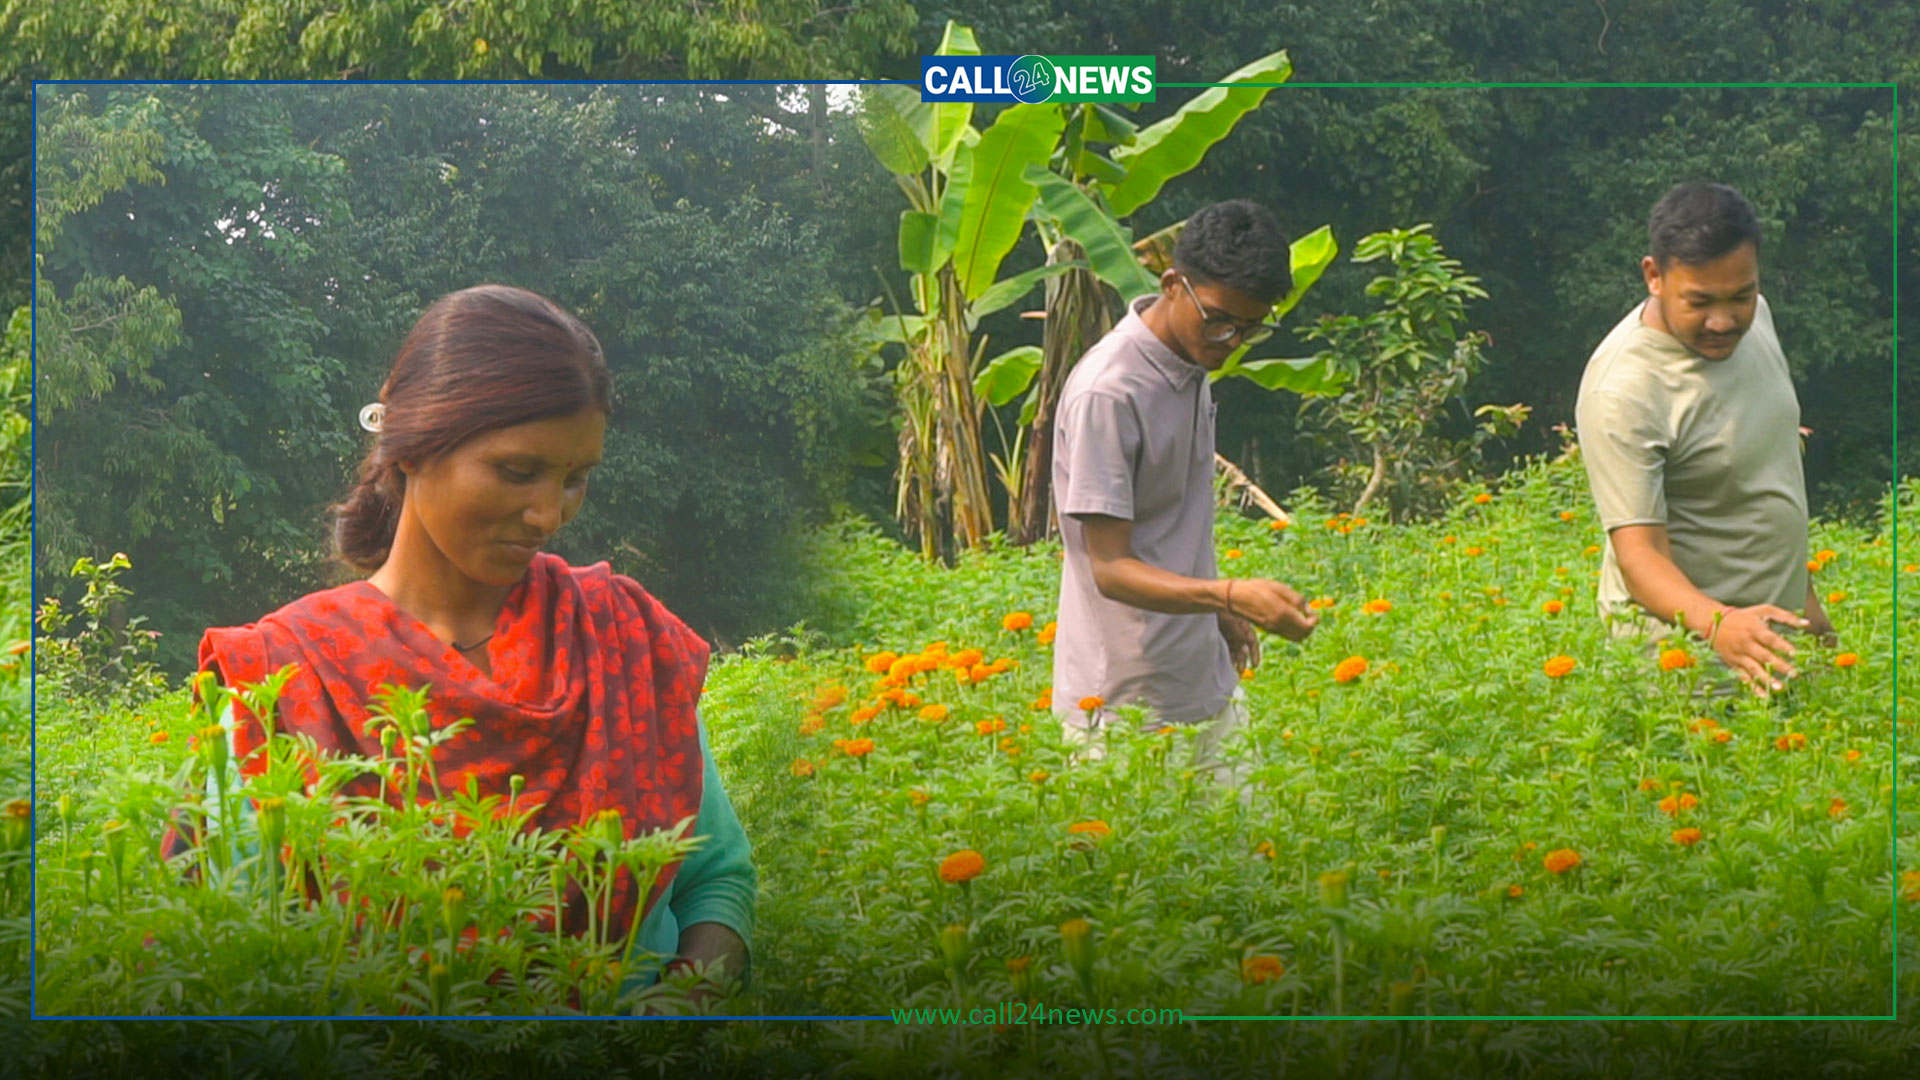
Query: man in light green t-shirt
column 1689, row 427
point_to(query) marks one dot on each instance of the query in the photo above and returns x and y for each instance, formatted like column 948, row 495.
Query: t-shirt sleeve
column 1625, row 451
column 1100, row 440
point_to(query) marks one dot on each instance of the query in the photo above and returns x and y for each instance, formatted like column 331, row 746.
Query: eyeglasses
column 1220, row 329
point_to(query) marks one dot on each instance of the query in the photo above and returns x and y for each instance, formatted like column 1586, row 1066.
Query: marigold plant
column 1261, row 968
column 1558, row 666
column 1561, row 860
column 962, row 866
column 1675, row 659
column 1687, row 837
column 1349, row 669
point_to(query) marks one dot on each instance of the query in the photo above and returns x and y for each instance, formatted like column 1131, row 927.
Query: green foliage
column 109, row 656
column 1400, row 367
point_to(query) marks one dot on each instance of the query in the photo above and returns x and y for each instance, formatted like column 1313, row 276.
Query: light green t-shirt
column 1708, row 448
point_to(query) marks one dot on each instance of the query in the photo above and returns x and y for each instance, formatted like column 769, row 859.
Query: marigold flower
column 909, row 700
column 1722, row 736
column 1648, row 783
column 1836, row 596
column 1017, row 621
column 801, row 767
column 1566, row 515
column 1911, row 568
column 854, row 747
column 1265, row 849
column 993, row 726
column 1277, row 526
column 1672, row 805
column 926, row 662
column 1813, row 566
column 962, row 865
column 1482, row 499
column 903, row 668
column 1593, row 549
column 882, row 662
column 829, row 697
column 1561, row 860
column 1553, row 607
column 1558, row 666
column 1321, row 603
column 812, row 725
column 1675, row 659
column 1377, row 607
column 1837, row 809
column 1910, row 886
column 1261, row 968
column 1233, row 553
column 1703, row 723
column 1476, row 551
column 1853, row 755
column 1039, row 776
column 1095, row 828
column 159, row 738
column 920, row 798
column 1045, row 636
column 1687, row 837
column 1826, row 555
column 1792, row 740
column 1846, row 659
column 1044, row 701
column 1092, row 703
column 1349, row 669
column 933, row 713
column 1449, row 539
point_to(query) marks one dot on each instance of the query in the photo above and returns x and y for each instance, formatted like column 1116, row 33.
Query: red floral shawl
column 594, row 701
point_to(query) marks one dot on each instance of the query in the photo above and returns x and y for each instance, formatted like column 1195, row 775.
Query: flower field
column 1465, row 800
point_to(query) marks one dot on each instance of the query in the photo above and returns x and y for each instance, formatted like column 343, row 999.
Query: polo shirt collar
column 1179, row 373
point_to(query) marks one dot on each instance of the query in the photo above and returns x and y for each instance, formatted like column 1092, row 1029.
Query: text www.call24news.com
column 1014, row 1013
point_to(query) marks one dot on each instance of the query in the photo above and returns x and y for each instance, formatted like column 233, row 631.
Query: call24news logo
column 1031, row 79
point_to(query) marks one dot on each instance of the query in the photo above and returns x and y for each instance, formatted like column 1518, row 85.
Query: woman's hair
column 480, row 359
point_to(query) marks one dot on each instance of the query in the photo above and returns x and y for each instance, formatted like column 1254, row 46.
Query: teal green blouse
column 715, row 884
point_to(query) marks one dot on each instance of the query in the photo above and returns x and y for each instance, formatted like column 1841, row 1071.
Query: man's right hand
column 1750, row 646
column 1274, row 607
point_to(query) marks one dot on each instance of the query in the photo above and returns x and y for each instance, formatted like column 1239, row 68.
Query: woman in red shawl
column 578, row 681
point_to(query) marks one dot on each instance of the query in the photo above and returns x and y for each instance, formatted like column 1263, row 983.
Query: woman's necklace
column 469, row 648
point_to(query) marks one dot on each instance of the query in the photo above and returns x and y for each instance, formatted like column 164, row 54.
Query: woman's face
column 488, row 504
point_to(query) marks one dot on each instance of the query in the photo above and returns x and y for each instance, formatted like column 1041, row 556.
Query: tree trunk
column 1079, row 313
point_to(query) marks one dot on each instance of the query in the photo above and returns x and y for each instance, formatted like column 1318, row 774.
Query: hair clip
column 373, row 416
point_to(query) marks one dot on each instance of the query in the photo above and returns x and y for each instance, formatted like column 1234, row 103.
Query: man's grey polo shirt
column 1133, row 439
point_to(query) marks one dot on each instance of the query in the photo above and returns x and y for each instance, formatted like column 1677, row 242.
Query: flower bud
column 453, row 910
column 953, row 946
column 16, row 825
column 272, row 820
column 1077, row 935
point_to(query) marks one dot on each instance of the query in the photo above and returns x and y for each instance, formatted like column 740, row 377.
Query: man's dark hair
column 1237, row 244
column 1699, row 222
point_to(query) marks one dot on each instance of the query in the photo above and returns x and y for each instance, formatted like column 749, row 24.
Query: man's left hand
column 1243, row 643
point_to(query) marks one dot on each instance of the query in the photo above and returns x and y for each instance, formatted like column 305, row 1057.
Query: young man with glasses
column 1144, row 618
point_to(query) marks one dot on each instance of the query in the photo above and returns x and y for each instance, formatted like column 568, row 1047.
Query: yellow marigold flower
column 962, row 865
column 993, row 726
column 1553, row 607
column 1675, row 659
column 881, row 663
column 1558, row 666
column 1792, row 740
column 1016, row 621
column 801, row 767
column 1483, row 498
column 1095, row 828
column 933, row 713
column 1846, row 659
column 1561, row 861
column 1092, row 703
column 1377, row 607
column 1687, row 837
column 1349, row 669
column 1261, row 968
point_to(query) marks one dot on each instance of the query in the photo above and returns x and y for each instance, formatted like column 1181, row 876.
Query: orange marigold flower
column 1561, row 861
column 1813, row 566
column 1593, row 549
column 1675, row 659
column 962, row 865
column 1837, row 809
column 1558, row 666
column 1233, row 553
column 1853, row 755
column 1039, row 776
column 980, row 673
column 1836, row 596
column 1826, row 555
column 1044, row 701
column 928, row 661
column 920, row 798
column 1092, row 703
column 882, row 662
column 1261, row 968
column 1722, row 736
column 965, row 658
column 1095, row 828
column 812, row 725
column 992, row 726
column 863, row 714
column 1704, row 723
column 1265, row 849
column 1321, row 603
column 1277, row 526
column 1449, row 539
column 1553, row 607
column 933, row 713
column 1648, row 783
column 1792, row 740
column 159, row 738
column 1910, row 886
column 1017, row 621
column 1672, row 805
column 1045, row 636
column 904, row 668
column 1846, row 659
column 1687, row 837
column 1515, row 892
column 909, row 700
column 854, row 747
column 1377, row 607
column 1911, row 568
column 1483, row 498
column 829, row 697
column 801, row 767
column 1566, row 515
column 1476, row 551
column 1349, row 669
